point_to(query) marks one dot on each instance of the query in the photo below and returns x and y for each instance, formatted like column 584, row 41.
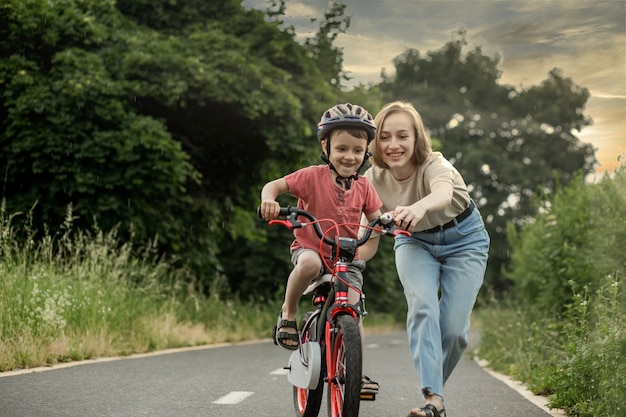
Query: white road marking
column 233, row 397
column 280, row 371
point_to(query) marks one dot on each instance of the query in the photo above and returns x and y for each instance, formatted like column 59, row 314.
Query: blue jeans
column 441, row 274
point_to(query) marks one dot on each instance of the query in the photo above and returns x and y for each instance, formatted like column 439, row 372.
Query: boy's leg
column 307, row 267
column 369, row 387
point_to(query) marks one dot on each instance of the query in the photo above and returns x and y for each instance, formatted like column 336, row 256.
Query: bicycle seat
column 323, row 279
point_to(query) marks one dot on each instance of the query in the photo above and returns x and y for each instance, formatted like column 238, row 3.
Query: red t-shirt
column 318, row 193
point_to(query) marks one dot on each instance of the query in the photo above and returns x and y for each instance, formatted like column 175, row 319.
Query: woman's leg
column 418, row 271
column 461, row 278
column 462, row 274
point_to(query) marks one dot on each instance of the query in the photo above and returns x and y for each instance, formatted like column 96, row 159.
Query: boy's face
column 346, row 152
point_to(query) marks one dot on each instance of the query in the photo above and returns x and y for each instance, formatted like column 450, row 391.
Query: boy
column 332, row 191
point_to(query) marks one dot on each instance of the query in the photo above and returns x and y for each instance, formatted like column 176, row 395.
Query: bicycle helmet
column 346, row 115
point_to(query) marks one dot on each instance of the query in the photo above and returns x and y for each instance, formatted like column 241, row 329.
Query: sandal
column 369, row 389
column 368, row 386
column 279, row 336
column 430, row 411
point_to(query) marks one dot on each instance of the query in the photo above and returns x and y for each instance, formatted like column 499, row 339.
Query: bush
column 578, row 236
column 589, row 380
column 561, row 332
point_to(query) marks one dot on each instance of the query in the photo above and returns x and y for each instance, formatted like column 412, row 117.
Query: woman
column 442, row 265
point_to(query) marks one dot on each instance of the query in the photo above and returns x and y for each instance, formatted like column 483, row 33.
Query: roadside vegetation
column 83, row 295
column 80, row 295
column 561, row 328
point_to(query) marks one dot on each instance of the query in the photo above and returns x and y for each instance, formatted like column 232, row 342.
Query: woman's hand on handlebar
column 269, row 209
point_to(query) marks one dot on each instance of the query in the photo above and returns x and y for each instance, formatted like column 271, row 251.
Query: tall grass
column 562, row 330
column 577, row 361
column 84, row 294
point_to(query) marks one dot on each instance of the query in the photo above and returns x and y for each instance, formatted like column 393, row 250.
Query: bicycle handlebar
column 291, row 222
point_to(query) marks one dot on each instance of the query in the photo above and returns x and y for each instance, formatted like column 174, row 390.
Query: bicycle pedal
column 368, row 397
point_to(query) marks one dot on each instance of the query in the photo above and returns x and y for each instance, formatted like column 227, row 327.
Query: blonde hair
column 423, row 147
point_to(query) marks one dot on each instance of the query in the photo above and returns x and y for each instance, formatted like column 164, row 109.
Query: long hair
column 423, row 147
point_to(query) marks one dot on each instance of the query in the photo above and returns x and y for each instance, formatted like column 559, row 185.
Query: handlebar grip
column 386, row 219
column 284, row 211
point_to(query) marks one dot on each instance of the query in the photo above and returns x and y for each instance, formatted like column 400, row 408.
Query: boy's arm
column 269, row 206
column 368, row 250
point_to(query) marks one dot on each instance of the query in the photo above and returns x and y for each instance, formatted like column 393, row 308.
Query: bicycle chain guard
column 305, row 372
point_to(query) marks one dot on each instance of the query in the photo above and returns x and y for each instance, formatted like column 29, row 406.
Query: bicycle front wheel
column 308, row 402
column 344, row 385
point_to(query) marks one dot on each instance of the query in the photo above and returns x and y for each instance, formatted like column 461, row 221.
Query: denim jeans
column 441, row 274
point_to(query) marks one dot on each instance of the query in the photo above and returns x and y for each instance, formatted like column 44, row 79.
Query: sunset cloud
column 586, row 39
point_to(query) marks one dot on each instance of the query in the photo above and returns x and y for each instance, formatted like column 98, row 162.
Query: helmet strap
column 340, row 179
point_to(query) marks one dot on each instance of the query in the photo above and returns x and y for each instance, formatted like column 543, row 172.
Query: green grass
column 82, row 295
column 577, row 360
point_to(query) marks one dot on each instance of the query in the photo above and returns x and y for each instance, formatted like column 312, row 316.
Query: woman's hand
column 406, row 217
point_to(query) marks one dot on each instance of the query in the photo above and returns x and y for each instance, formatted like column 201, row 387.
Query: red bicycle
column 329, row 352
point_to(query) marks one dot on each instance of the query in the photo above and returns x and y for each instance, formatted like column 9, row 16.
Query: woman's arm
column 440, row 197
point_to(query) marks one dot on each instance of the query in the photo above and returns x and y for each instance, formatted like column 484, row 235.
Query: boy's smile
column 346, row 152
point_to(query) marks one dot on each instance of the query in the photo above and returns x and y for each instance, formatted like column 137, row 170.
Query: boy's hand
column 269, row 209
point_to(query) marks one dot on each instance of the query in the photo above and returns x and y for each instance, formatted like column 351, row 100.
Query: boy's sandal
column 368, row 386
column 279, row 336
column 430, row 411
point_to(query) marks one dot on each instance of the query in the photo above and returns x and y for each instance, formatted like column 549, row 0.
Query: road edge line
column 539, row 400
column 62, row 365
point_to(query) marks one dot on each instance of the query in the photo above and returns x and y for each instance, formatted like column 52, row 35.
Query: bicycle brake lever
column 290, row 222
column 401, row 232
column 286, row 223
column 395, row 232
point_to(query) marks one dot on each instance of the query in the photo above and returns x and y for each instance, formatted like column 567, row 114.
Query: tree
column 507, row 143
column 161, row 116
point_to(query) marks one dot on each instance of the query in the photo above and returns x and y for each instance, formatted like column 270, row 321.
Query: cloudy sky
column 584, row 38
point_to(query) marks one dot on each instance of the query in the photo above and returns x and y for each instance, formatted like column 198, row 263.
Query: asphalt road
column 240, row 380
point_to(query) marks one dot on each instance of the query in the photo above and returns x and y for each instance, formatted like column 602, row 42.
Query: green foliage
column 160, row 117
column 82, row 294
column 562, row 332
column 164, row 118
column 578, row 237
column 586, row 382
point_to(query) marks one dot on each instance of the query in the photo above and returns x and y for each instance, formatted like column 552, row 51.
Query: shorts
column 355, row 269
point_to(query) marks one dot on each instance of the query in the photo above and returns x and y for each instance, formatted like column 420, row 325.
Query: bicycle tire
column 307, row 403
column 344, row 387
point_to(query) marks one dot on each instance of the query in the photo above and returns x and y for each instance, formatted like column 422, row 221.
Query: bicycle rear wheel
column 344, row 387
column 308, row 402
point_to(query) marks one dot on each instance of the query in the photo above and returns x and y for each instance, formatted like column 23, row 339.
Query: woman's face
column 397, row 140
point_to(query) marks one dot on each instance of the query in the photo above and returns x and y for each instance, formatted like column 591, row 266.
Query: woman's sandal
column 430, row 411
column 279, row 336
